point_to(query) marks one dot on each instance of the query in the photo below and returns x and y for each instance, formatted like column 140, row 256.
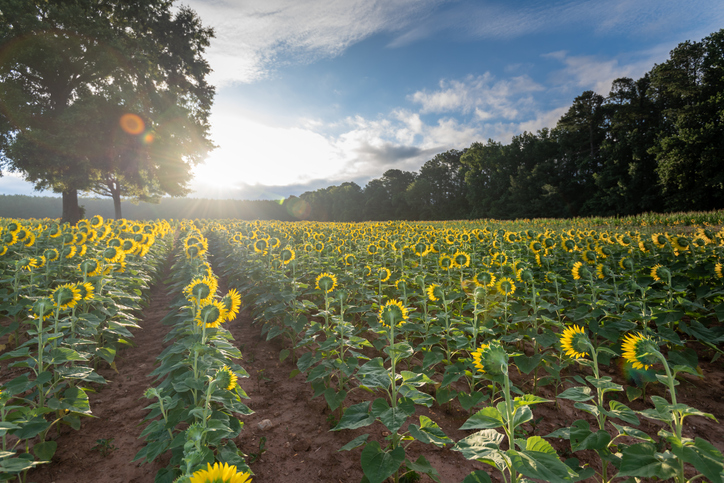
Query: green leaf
column 283, row 354
column 633, row 393
column 578, row 393
column 356, row 416
column 484, row 445
column 478, row 476
column 358, row 441
column 540, row 461
column 468, row 401
column 583, row 438
column 334, row 398
column 522, row 415
column 377, row 464
column 74, row 399
column 706, row 459
column 45, row 451
column 429, row 432
column 528, row 364
column 632, row 432
column 528, row 400
column 621, row 411
column 423, row 466
column 487, row 418
column 374, row 374
column 642, row 460
column 393, row 418
column 31, row 428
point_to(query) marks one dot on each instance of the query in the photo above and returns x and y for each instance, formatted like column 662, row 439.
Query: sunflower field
column 382, row 320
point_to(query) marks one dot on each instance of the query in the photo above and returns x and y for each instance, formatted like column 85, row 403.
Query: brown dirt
column 299, row 445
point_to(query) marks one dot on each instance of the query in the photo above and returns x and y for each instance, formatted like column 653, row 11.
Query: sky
column 314, row 93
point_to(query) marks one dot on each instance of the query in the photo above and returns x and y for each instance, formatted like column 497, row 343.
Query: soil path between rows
column 118, row 407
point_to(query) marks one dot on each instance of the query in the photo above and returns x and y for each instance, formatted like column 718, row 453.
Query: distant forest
column 655, row 144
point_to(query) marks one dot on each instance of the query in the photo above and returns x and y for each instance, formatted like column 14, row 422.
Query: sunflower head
column 491, row 359
column 349, row 259
column 505, row 286
column 200, row 289
column 393, row 313
column 524, row 275
column 212, row 313
column 287, row 255
column 43, row 307
column 640, row 351
column 219, row 473
column 446, row 262
column 232, row 303
column 718, row 270
column 383, row 274
column 226, row 378
column 485, row 279
column 602, row 271
column 625, row 263
column 660, row 273
column 66, row 296
column 86, row 290
column 326, row 282
column 461, row 259
column 579, row 271
column 435, row 292
column 27, row 264
column 96, row 221
column 575, row 342
column 401, row 284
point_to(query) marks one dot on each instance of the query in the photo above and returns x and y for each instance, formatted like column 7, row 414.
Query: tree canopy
column 103, row 96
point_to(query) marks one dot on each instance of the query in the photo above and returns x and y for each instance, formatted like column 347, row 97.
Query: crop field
column 475, row 351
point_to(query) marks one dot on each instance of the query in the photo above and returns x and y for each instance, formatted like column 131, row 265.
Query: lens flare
column 132, row 124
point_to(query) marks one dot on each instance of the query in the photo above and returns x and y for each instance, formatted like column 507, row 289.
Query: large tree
column 103, row 93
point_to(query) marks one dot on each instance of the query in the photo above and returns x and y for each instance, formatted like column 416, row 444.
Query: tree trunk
column 116, row 194
column 71, row 210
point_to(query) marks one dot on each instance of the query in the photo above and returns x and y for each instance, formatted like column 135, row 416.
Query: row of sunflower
column 441, row 298
column 69, row 296
column 196, row 398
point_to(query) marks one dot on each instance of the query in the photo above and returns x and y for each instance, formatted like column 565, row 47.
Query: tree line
column 652, row 144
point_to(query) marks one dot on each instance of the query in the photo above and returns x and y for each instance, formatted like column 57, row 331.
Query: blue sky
column 318, row 92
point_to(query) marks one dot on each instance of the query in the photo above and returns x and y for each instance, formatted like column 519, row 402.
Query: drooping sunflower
column 574, row 342
column 435, row 293
column 96, row 221
column 718, row 270
column 393, row 313
column 86, row 290
column 401, row 284
column 446, row 262
column 326, row 282
column 659, row 273
column 27, row 264
column 576, row 270
column 349, row 259
column 112, row 254
column 639, row 350
column 372, row 249
column 226, row 378
column 232, row 304
column 40, row 260
column 625, row 263
column 505, row 286
column 29, row 240
column 219, row 474
column 212, row 312
column 491, row 358
column 260, row 246
column 65, row 296
column 287, row 255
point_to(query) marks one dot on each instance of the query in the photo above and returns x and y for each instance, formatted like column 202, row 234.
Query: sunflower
column 491, row 358
column 367, row 270
column 260, row 246
column 535, row 246
column 718, row 270
column 393, row 313
column 287, row 255
column 659, row 272
column 446, row 262
column 29, row 240
column 578, row 270
column 434, row 292
column 27, row 264
column 574, row 342
column 485, row 279
column 383, row 274
column 226, row 378
column 69, row 251
column 232, row 303
column 326, row 282
column 213, row 312
column 54, row 231
column 625, row 263
column 349, row 259
column 112, row 254
column 505, row 286
column 219, row 474
column 40, row 261
column 96, row 221
column 65, row 296
column 420, row 249
column 639, row 351
column 602, row 271
column 91, row 267
column 3, row 250
column 372, row 249
column 318, row 246
column 86, row 290
column 201, row 290
column 461, row 259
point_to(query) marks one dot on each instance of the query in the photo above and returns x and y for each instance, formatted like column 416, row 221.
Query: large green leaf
column 706, row 459
column 429, row 432
column 540, row 461
column 357, row 416
column 582, row 437
column 578, row 393
column 478, row 476
column 487, row 418
column 644, row 461
column 393, row 418
column 377, row 464
column 45, row 451
column 358, row 441
column 483, row 445
column 374, row 374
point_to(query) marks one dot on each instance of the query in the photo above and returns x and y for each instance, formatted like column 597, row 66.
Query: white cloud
column 254, row 35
